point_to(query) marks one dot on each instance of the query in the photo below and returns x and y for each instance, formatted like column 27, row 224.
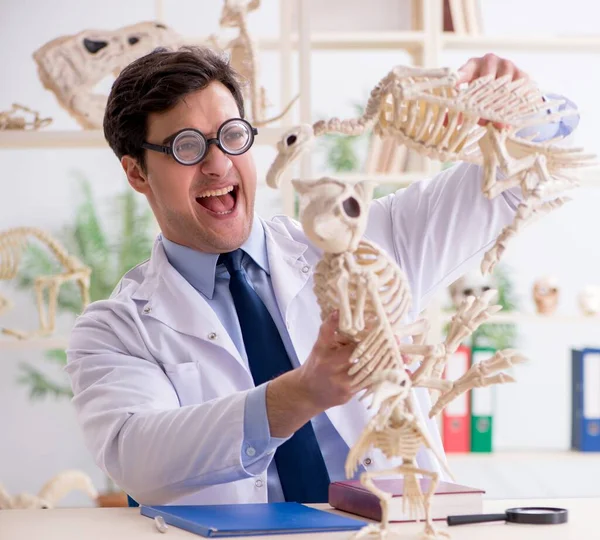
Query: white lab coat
column 159, row 387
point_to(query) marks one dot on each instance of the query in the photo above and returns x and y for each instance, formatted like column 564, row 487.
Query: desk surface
column 128, row 524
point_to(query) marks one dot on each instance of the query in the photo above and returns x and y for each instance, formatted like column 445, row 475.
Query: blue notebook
column 251, row 519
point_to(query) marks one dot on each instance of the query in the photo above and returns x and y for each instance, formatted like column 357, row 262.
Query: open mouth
column 220, row 202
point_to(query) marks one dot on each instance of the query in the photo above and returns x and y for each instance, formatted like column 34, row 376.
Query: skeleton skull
column 472, row 283
column 589, row 300
column 333, row 213
column 292, row 144
column 546, row 294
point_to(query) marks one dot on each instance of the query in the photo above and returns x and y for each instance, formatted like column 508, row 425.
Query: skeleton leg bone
column 527, row 212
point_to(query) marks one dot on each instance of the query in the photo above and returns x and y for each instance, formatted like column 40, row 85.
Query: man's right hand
column 321, row 382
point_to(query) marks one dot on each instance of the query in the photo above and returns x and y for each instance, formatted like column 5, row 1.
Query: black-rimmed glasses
column 190, row 146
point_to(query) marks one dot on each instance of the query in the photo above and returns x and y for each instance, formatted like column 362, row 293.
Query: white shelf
column 516, row 318
column 39, row 344
column 514, row 456
column 93, row 138
column 539, row 43
column 408, row 40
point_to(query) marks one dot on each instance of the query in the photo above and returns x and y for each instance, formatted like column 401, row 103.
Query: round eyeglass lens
column 236, row 137
column 189, row 147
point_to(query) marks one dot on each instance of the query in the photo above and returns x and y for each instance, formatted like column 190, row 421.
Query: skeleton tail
column 357, row 126
column 57, row 249
column 279, row 116
column 56, row 488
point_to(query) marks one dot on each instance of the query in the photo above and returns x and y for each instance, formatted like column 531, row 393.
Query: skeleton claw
column 481, row 375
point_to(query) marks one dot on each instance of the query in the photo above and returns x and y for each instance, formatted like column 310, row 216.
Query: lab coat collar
column 169, row 298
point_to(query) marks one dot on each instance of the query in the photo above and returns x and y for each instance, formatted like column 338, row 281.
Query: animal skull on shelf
column 546, row 295
column 51, row 493
column 13, row 243
column 373, row 297
column 244, row 58
column 428, row 112
column 589, row 300
column 71, row 66
column 11, row 119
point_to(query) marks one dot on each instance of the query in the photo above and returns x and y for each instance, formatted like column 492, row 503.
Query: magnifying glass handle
column 474, row 518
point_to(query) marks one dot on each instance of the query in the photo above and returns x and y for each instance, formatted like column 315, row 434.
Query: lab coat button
column 367, row 461
column 305, row 269
column 147, row 309
column 258, row 483
column 250, row 451
column 212, row 335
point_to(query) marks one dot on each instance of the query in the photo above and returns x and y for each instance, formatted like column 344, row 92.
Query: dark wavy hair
column 155, row 83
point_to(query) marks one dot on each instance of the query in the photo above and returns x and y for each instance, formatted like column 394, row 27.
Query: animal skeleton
column 425, row 110
column 373, row 297
column 13, row 243
column 71, row 66
column 243, row 52
column 11, row 120
column 51, row 493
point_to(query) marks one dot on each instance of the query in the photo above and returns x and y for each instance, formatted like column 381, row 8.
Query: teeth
column 216, row 192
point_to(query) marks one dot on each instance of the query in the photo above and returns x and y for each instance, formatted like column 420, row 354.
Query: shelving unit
column 93, row 138
column 37, row 344
column 425, row 46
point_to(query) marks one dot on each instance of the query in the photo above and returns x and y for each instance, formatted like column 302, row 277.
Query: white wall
column 40, row 439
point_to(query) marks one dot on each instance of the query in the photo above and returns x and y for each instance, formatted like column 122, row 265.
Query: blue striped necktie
column 300, row 465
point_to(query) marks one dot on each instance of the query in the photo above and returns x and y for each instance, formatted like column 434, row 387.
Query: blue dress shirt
column 212, row 281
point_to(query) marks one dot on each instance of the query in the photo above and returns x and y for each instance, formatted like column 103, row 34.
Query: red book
column 456, row 416
column 449, row 499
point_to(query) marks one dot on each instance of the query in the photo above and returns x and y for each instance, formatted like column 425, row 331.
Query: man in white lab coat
column 164, row 372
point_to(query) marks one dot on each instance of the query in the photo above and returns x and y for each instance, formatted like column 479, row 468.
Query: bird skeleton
column 243, row 57
column 51, row 493
column 372, row 294
column 430, row 113
column 13, row 243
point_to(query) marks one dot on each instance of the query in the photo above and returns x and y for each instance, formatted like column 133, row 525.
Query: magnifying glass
column 534, row 515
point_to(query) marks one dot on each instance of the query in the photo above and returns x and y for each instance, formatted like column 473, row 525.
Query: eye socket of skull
column 351, row 207
column 468, row 292
column 93, row 46
column 291, row 140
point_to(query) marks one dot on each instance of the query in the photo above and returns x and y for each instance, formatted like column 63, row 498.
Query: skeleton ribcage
column 445, row 120
column 402, row 441
column 392, row 284
column 419, row 124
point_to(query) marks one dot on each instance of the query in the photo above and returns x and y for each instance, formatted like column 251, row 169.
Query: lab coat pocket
column 186, row 380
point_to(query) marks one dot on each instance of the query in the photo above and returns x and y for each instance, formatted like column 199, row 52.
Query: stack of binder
column 467, row 422
column 585, row 409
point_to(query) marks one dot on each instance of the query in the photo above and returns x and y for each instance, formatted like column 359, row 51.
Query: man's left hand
column 489, row 64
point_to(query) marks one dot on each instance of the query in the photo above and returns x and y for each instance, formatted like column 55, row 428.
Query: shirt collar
column 199, row 268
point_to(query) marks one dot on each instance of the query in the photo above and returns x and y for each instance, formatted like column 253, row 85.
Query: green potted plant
column 109, row 252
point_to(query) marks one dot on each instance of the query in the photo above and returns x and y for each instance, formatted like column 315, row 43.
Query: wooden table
column 128, row 524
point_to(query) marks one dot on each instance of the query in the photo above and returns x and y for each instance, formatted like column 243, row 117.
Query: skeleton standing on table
column 373, row 298
column 424, row 110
